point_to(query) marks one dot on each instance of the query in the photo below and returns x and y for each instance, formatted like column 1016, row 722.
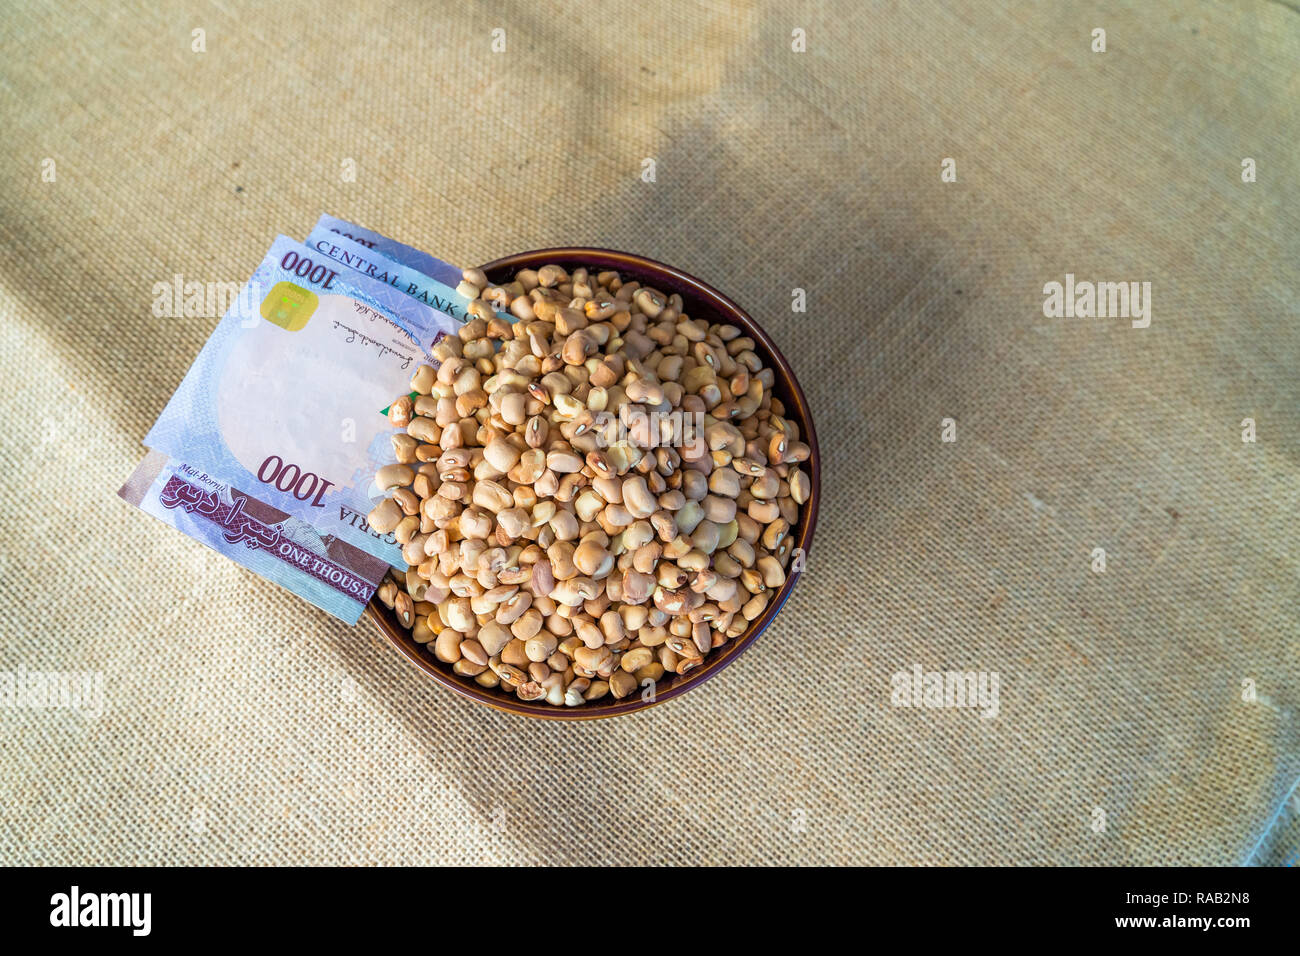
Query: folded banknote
column 285, row 401
column 332, row 574
column 379, row 267
column 430, row 266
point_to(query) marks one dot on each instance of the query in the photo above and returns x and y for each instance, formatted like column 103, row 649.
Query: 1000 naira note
column 399, row 252
column 332, row 574
column 384, row 268
column 285, row 402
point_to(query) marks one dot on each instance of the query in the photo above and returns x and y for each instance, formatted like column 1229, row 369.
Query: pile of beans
column 591, row 496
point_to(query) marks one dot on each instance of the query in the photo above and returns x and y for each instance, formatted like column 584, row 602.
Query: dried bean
column 546, row 556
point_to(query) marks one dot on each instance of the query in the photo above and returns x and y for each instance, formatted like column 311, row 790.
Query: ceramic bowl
column 701, row 301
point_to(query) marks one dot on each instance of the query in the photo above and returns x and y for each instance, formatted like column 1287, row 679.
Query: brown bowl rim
column 729, row 652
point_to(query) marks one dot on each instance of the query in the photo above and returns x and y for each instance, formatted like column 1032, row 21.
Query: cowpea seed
column 637, row 498
column 684, row 647
column 424, row 429
column 705, row 536
column 550, row 276
column 421, row 633
column 718, row 509
column 771, row 570
column 513, row 654
column 404, row 449
column 394, row 476
column 473, row 651
column 799, row 486
column 548, row 558
column 422, row 380
column 651, row 672
column 404, row 607
column 456, row 614
column 573, row 591
column 775, row 533
column 512, row 675
column 591, row 658
column 540, row 647
column 529, row 624
column 622, row 683
column 565, row 525
column 406, row 529
column 493, row 637
column 765, row 486
column 514, row 521
column 465, row 668
column 653, row 635
column 636, row 658
column 401, row 411
column 564, row 462
column 408, row 500
column 532, row 689
column 501, row 455
column 646, row 558
column 754, row 606
column 592, row 559
column 385, row 516
column 587, row 505
column 514, row 608
column 447, row 646
column 637, row 587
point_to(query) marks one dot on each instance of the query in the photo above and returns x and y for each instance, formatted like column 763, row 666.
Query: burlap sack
column 1147, row 712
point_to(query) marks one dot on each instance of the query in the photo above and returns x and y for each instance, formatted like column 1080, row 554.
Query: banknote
column 333, row 575
column 431, row 266
column 285, row 401
column 384, row 268
column 381, row 268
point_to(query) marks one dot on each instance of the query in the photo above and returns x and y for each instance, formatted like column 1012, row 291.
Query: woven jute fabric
column 1147, row 711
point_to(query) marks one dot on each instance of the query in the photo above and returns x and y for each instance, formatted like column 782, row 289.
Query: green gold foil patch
column 289, row 306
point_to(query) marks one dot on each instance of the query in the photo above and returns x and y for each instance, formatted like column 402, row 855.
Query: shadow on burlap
column 243, row 726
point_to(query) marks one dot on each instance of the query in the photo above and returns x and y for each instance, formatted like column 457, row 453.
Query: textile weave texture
column 1147, row 712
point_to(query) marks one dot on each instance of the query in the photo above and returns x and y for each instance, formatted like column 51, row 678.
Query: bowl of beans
column 605, row 488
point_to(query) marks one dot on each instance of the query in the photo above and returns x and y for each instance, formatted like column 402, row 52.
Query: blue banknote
column 381, row 268
column 333, row 575
column 430, row 266
column 285, row 401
